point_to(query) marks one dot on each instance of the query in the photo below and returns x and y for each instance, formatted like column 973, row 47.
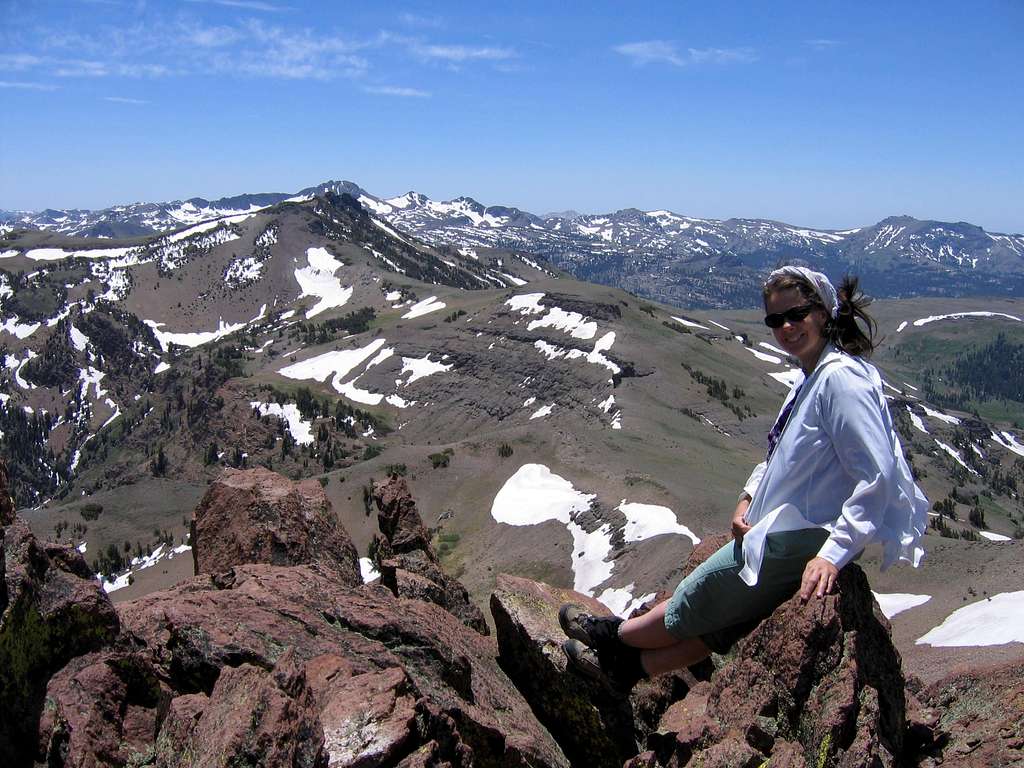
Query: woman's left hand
column 819, row 578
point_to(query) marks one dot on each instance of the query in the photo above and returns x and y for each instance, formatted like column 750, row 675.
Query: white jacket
column 839, row 466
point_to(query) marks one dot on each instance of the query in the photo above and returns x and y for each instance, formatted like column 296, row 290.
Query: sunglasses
column 793, row 315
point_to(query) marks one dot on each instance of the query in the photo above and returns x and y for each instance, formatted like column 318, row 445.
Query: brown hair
column 844, row 330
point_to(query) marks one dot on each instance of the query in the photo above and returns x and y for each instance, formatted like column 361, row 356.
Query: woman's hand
column 819, row 578
column 739, row 524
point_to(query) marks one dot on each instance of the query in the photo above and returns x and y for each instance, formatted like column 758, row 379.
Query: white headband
column 819, row 281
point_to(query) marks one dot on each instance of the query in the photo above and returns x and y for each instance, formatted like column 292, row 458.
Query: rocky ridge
column 295, row 663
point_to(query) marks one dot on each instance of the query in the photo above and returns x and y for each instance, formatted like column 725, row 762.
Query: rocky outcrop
column 408, row 564
column 51, row 610
column 817, row 684
column 289, row 665
column 593, row 726
column 975, row 719
column 258, row 516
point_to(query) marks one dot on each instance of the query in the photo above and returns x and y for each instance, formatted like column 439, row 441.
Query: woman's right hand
column 739, row 523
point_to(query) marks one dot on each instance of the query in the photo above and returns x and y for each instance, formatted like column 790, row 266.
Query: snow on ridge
column 534, row 495
column 543, row 411
column 763, row 356
column 996, row 620
column 644, row 521
column 940, row 415
column 301, row 430
column 420, row 367
column 1009, row 442
column 955, row 454
column 367, row 570
column 318, row 280
column 689, row 323
column 420, row 308
column 959, row 315
column 337, row 363
column 897, row 602
column 994, row 536
column 917, row 421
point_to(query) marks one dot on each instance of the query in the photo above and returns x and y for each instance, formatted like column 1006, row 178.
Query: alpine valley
column 574, row 399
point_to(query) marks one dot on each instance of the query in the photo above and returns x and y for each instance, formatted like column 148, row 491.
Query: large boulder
column 259, row 516
column 593, row 725
column 51, row 610
column 817, row 684
column 408, row 564
column 383, row 655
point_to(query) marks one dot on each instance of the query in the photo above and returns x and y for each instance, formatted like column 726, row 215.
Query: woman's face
column 803, row 339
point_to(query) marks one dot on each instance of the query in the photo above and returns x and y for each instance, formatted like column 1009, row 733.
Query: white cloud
column 124, row 100
column 821, row 44
column 394, row 90
column 249, row 5
column 463, row 53
column 27, row 86
column 415, row 20
column 666, row 52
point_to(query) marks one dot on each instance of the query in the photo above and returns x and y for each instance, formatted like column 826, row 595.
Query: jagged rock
column 821, row 682
column 102, row 709
column 408, row 564
column 259, row 516
column 253, row 717
column 593, row 726
column 52, row 611
column 252, row 613
column 399, row 521
column 978, row 718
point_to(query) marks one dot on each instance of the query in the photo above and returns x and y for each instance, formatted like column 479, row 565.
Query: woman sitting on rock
column 834, row 480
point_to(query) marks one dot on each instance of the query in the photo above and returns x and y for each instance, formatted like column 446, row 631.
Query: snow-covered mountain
column 660, row 254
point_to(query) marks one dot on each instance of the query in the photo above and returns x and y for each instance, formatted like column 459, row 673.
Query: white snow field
column 959, row 315
column 940, row 415
column 338, row 363
column 318, row 280
column 141, row 563
column 689, row 323
column 1009, row 442
column 993, row 536
column 301, row 430
column 993, row 621
column 897, row 602
column 764, row 356
column 424, row 307
column 917, row 421
column 533, row 495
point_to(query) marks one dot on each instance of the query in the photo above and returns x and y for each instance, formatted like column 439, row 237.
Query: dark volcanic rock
column 253, row 613
column 52, row 611
column 253, row 717
column 593, row 726
column 980, row 718
column 407, row 562
column 821, row 682
column 399, row 521
column 102, row 709
column 259, row 516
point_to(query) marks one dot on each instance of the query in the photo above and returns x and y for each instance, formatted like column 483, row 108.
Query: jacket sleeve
column 851, row 415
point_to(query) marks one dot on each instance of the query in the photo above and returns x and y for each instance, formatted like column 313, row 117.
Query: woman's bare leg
column 648, row 631
column 685, row 653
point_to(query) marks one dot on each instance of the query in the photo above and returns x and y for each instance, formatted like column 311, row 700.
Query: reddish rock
column 251, row 614
column 979, row 717
column 253, row 717
column 823, row 679
column 593, row 726
column 101, row 709
column 259, row 516
column 408, row 564
column 399, row 521
column 52, row 611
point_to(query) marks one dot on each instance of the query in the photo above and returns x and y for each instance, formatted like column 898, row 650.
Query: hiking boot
column 619, row 672
column 597, row 632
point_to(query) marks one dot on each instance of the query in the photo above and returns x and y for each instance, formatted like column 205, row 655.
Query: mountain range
column 550, row 427
column 678, row 259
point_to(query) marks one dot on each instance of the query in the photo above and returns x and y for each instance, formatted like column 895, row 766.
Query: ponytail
column 845, row 331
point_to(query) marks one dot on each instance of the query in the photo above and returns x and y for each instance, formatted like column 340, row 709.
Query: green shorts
column 714, row 604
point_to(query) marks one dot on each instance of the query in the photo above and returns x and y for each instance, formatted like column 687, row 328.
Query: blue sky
column 827, row 114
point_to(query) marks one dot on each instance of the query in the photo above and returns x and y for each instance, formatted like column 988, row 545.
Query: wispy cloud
column 822, row 44
column 27, row 86
column 124, row 100
column 462, row 53
column 421, row 22
column 667, row 52
column 249, row 5
column 394, row 90
column 18, row 62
